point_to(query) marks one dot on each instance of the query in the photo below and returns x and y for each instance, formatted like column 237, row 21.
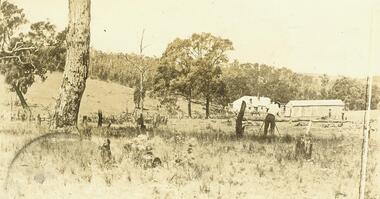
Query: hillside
column 111, row 97
column 376, row 78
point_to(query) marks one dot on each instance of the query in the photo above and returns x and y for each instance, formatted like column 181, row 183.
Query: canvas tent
column 254, row 104
column 315, row 108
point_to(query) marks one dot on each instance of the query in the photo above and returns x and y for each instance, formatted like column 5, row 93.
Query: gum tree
column 76, row 67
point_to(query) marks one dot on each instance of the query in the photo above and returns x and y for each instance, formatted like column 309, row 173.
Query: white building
column 315, row 108
column 254, row 104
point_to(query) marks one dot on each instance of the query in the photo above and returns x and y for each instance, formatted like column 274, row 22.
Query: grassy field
column 200, row 159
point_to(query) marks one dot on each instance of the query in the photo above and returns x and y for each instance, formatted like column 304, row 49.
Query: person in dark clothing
column 270, row 119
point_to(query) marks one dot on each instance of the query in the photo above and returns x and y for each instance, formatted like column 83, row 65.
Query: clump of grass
column 287, row 138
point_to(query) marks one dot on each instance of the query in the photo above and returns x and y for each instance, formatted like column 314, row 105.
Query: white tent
column 254, row 103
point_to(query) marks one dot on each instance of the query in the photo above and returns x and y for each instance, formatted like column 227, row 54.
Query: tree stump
column 86, row 127
column 100, row 118
column 304, row 147
column 239, row 120
column 140, row 122
column 85, row 120
column 38, row 120
column 105, row 152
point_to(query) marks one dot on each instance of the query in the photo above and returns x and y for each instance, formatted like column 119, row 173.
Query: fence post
column 366, row 129
column 239, row 120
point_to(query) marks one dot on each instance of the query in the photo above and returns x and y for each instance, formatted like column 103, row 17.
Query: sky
column 335, row 37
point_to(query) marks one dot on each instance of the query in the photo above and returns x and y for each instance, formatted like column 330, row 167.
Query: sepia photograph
column 192, row 99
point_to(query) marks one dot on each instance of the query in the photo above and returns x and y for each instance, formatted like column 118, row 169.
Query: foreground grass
column 203, row 163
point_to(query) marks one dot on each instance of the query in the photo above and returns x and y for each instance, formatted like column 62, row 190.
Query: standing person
column 270, row 119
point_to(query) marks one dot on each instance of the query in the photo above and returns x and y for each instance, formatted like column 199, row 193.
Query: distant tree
column 77, row 62
column 194, row 64
column 375, row 97
column 239, row 80
column 281, row 86
column 324, row 86
column 141, row 65
column 350, row 91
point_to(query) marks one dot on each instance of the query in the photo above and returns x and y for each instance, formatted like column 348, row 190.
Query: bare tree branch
column 18, row 48
column 141, row 41
column 14, row 57
column 26, row 48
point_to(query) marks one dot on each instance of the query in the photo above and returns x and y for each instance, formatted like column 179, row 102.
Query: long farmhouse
column 315, row 108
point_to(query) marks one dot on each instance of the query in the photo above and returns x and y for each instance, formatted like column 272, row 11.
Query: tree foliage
column 176, row 74
column 353, row 93
column 119, row 67
column 192, row 68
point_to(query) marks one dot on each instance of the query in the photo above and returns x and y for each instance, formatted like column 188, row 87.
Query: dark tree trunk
column 140, row 122
column 239, row 120
column 100, row 118
column 76, row 68
column 207, row 107
column 38, row 120
column 189, row 107
column 21, row 97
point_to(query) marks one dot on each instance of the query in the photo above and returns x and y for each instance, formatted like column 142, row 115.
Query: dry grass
column 208, row 162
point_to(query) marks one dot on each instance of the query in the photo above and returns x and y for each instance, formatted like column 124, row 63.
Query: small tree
column 141, row 64
column 324, row 83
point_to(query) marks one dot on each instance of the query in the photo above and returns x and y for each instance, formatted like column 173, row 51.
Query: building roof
column 315, row 103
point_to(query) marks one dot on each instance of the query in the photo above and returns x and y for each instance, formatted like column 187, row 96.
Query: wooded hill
column 241, row 79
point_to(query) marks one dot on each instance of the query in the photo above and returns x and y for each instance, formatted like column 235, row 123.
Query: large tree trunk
column 76, row 68
column 207, row 107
